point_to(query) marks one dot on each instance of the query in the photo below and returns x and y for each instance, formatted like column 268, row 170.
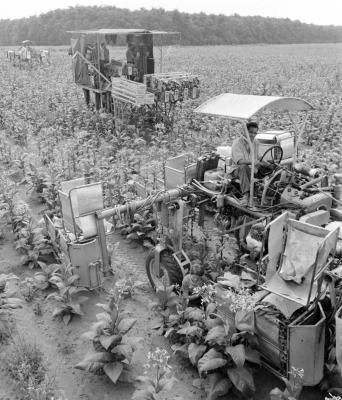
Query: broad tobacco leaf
column 252, row 355
column 190, row 331
column 76, row 309
column 217, row 385
column 110, row 341
column 181, row 349
column 113, row 370
column 133, row 341
column 144, row 394
column 211, row 309
column 144, row 382
column 237, row 353
column 126, row 325
column 91, row 358
column 166, row 383
column 196, row 351
column 57, row 312
column 216, row 335
column 128, row 374
column 211, row 322
column 242, row 379
column 193, row 314
column 124, row 351
column 210, row 361
column 245, row 321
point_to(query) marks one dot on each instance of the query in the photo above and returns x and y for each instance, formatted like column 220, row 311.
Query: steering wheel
column 272, row 150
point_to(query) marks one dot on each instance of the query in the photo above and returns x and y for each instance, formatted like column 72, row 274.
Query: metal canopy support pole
column 251, row 147
column 98, row 59
column 161, row 59
column 298, row 134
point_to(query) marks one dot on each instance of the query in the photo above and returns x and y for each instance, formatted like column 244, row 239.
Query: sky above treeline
column 321, row 12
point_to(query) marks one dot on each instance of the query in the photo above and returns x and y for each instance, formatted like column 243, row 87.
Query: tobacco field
column 48, row 135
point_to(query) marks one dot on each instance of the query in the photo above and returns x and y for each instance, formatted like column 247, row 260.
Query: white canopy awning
column 241, row 106
column 122, row 32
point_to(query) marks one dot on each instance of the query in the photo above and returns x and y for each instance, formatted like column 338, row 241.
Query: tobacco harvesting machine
column 28, row 56
column 290, row 233
column 129, row 86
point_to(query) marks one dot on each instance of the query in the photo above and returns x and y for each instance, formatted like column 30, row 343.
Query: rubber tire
column 169, row 266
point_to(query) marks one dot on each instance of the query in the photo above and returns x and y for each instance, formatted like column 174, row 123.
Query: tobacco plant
column 44, row 183
column 141, row 229
column 28, row 289
column 68, row 299
column 215, row 348
column 46, row 277
column 166, row 305
column 8, row 192
column 113, row 349
column 7, row 301
column 33, row 245
column 127, row 287
column 150, row 388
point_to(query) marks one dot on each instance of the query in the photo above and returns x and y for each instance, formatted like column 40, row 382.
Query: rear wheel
column 169, row 272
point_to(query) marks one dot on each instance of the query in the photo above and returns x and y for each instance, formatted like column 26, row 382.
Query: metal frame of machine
column 131, row 90
column 235, row 107
column 184, row 191
column 77, row 235
column 78, row 49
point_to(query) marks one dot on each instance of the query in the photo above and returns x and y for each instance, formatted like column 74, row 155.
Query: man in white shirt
column 241, row 154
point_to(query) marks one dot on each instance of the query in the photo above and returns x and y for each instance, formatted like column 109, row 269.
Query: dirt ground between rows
column 63, row 346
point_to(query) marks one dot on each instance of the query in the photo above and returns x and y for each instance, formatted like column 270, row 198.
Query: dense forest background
column 196, row 29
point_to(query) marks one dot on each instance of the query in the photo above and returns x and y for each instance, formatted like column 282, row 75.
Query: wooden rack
column 131, row 92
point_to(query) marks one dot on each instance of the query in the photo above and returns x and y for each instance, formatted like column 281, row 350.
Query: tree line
column 196, row 29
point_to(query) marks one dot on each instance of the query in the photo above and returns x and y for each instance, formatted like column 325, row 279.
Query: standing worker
column 104, row 57
column 131, row 54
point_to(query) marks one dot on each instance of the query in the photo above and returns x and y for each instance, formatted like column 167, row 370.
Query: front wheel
column 169, row 272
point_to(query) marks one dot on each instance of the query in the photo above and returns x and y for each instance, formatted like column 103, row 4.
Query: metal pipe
column 312, row 182
column 168, row 195
column 232, row 202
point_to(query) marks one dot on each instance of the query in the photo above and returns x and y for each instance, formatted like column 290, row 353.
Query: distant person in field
column 241, row 155
column 25, row 52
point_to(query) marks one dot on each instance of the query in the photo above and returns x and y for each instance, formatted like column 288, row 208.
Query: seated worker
column 242, row 159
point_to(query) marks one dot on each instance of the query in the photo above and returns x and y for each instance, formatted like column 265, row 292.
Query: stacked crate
column 173, row 87
column 131, row 92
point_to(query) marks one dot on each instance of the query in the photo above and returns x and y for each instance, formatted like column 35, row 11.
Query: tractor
column 289, row 232
column 129, row 86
